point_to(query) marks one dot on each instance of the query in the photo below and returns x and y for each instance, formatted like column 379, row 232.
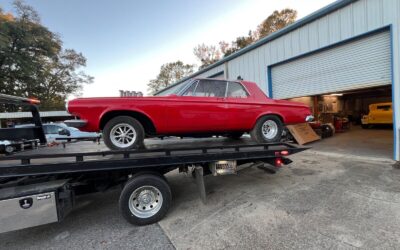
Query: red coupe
column 197, row 107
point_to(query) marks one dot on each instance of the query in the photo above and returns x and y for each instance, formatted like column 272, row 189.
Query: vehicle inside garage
column 345, row 84
column 344, row 113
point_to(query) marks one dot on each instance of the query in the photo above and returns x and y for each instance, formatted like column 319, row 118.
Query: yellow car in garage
column 379, row 113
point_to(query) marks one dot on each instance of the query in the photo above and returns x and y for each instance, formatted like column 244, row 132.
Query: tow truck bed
column 39, row 186
column 162, row 158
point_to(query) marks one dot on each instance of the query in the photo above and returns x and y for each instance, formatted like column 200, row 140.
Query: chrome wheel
column 145, row 201
column 123, row 135
column 269, row 129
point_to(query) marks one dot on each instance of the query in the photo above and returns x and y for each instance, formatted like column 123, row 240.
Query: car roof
column 215, row 79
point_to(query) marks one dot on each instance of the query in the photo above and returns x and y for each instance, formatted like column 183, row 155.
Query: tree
column 276, row 21
column 207, row 55
column 33, row 62
column 170, row 73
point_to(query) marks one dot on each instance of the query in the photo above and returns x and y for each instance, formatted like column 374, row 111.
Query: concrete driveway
column 321, row 201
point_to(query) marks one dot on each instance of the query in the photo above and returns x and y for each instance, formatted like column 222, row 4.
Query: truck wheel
column 267, row 129
column 122, row 133
column 145, row 199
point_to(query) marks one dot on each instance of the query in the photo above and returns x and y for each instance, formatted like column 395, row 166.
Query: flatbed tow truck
column 39, row 187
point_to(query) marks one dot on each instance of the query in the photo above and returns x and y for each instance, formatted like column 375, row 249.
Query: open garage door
column 359, row 64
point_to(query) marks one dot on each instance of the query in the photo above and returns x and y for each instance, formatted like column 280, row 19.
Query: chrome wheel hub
column 269, row 129
column 145, row 201
column 123, row 135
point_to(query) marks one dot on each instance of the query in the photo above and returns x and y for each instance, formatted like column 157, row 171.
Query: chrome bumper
column 75, row 123
column 309, row 118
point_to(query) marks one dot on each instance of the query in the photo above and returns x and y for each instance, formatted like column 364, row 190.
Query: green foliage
column 33, row 62
column 169, row 74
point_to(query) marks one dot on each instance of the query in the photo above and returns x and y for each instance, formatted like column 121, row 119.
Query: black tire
column 121, row 120
column 133, row 184
column 257, row 134
column 235, row 135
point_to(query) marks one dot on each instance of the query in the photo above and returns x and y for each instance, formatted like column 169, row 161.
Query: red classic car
column 197, row 107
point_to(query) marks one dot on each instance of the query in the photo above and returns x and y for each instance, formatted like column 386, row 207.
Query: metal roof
column 16, row 115
column 301, row 22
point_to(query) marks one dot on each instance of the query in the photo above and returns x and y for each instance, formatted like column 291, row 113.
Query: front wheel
column 267, row 129
column 145, row 199
column 123, row 133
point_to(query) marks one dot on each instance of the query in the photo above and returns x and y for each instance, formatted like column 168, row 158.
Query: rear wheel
column 267, row 129
column 145, row 199
column 123, row 133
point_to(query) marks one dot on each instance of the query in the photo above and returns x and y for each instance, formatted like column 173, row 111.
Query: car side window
column 210, row 88
column 236, row 90
column 51, row 129
column 190, row 90
column 45, row 130
column 384, row 107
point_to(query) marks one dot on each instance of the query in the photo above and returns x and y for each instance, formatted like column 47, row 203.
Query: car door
column 51, row 132
column 200, row 108
column 384, row 113
column 240, row 107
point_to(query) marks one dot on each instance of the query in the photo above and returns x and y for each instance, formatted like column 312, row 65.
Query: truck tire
column 123, row 133
column 145, row 199
column 267, row 129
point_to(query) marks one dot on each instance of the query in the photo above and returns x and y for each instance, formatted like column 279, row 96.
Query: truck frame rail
column 44, row 164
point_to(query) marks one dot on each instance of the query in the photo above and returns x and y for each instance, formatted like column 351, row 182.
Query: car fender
column 125, row 110
column 269, row 113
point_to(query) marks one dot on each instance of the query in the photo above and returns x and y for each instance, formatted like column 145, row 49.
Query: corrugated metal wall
column 355, row 19
column 212, row 71
column 352, row 20
column 362, row 63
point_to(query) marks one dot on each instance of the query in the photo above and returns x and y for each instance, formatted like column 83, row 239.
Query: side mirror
column 64, row 132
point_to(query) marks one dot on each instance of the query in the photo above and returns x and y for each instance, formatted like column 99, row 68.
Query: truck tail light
column 278, row 162
column 33, row 101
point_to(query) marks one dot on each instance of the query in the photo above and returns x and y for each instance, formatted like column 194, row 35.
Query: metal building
column 347, row 45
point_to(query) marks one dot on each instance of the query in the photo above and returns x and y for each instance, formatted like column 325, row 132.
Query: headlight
column 66, row 106
column 309, row 118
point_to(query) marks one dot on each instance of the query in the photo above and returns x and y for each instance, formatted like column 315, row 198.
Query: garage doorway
column 342, row 83
column 345, row 111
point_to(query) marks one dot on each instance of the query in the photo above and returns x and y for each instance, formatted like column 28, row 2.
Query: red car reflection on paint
column 195, row 108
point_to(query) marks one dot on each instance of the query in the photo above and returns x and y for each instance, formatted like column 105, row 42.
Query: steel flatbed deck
column 158, row 159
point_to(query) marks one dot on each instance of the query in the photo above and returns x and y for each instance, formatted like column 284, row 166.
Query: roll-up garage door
column 358, row 64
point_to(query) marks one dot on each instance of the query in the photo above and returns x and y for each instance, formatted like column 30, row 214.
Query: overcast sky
column 126, row 41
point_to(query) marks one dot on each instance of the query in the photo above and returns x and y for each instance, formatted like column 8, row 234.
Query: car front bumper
column 75, row 123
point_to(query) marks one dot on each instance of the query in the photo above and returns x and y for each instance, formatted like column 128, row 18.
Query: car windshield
column 174, row 90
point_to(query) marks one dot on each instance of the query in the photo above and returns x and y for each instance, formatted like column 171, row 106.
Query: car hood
column 84, row 134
